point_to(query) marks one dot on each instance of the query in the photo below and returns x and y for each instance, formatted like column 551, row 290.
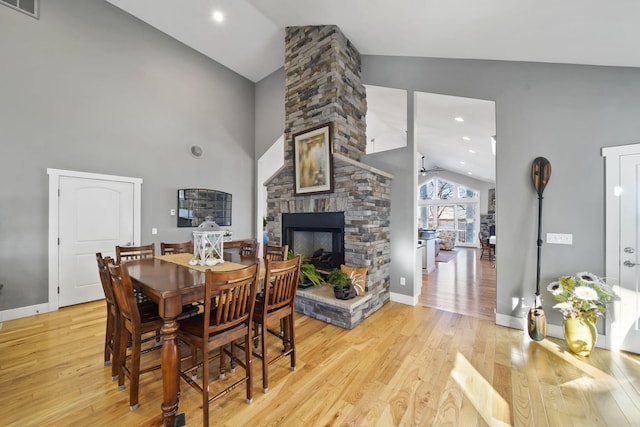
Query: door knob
column 629, row 250
column 628, row 263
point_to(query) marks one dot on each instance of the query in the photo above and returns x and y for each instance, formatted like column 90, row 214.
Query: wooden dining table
column 171, row 284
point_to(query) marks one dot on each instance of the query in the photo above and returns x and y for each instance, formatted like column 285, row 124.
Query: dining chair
column 229, row 300
column 233, row 244
column 133, row 325
column 176, row 248
column 275, row 253
column 486, row 247
column 129, row 253
column 249, row 248
column 276, row 304
column 112, row 313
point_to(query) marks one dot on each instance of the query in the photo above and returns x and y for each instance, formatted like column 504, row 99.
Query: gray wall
column 90, row 88
column 269, row 111
column 565, row 113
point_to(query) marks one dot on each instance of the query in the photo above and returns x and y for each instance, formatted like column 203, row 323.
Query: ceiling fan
column 423, row 171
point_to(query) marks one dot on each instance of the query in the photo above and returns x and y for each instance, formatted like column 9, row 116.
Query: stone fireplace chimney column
column 322, row 85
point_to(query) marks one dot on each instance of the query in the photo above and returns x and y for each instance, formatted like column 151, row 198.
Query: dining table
column 171, row 282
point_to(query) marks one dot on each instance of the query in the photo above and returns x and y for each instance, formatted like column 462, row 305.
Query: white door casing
column 88, row 213
column 622, row 239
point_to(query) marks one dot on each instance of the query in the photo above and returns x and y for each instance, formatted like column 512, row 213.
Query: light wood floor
column 403, row 366
column 466, row 285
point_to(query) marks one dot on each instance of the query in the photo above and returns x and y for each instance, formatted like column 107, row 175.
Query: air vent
column 30, row 7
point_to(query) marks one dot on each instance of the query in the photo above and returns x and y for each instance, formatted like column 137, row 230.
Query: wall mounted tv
column 197, row 204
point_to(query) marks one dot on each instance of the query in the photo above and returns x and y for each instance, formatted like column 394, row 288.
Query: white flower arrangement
column 583, row 295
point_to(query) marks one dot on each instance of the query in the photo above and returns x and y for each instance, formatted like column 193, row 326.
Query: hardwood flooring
column 403, row 366
column 464, row 285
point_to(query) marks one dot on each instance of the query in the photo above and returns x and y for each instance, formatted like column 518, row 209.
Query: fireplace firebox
column 317, row 235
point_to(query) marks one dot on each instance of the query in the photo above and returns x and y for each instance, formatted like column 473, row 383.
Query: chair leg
column 108, row 338
column 292, row 341
column 247, row 366
column 135, row 372
column 115, row 353
column 265, row 361
column 205, row 388
column 123, row 339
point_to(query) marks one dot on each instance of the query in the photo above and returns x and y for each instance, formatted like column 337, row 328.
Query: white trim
column 17, row 313
column 621, row 150
column 54, row 184
column 553, row 331
column 411, row 300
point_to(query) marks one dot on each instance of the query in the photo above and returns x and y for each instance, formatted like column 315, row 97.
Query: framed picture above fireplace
column 313, row 160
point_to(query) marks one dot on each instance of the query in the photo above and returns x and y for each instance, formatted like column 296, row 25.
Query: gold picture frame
column 313, row 160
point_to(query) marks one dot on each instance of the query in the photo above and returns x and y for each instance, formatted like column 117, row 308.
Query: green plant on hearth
column 338, row 278
column 308, row 272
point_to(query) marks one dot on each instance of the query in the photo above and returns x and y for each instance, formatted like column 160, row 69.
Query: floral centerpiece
column 581, row 298
column 583, row 295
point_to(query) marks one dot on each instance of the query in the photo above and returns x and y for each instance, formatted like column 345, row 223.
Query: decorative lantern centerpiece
column 207, row 244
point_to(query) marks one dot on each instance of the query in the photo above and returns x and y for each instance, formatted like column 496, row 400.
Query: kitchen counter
column 428, row 256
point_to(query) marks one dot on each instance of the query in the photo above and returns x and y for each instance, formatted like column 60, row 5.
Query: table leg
column 170, row 365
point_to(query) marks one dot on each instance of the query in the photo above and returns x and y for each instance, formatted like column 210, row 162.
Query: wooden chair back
column 124, row 295
column 127, row 253
column 275, row 253
column 281, row 282
column 230, row 297
column 486, row 247
column 105, row 278
column 176, row 248
column 249, row 248
column 358, row 276
column 233, row 244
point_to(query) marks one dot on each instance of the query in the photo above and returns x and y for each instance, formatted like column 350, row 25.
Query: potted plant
column 342, row 285
column 581, row 298
column 309, row 275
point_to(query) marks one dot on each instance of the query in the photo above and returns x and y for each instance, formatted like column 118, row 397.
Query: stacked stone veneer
column 323, row 85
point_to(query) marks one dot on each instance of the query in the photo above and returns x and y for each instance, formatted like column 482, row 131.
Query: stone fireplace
column 323, row 85
column 317, row 235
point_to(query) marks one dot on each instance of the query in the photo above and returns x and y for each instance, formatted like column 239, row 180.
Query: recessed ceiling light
column 217, row 16
column 459, row 119
column 466, row 138
column 472, row 151
column 461, row 162
column 469, row 173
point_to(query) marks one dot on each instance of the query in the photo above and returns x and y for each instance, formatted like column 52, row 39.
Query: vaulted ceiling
column 250, row 39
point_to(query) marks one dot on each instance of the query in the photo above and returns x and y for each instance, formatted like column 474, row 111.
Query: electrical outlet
column 403, row 281
column 172, row 212
column 560, row 239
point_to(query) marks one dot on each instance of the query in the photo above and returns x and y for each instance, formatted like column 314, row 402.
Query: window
column 30, row 7
column 446, row 205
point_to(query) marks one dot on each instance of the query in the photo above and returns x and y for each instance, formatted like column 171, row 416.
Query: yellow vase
column 580, row 334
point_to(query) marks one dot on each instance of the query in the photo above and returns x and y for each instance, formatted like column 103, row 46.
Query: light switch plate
column 560, row 239
column 154, row 230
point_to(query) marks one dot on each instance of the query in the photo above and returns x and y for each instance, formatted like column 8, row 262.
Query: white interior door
column 622, row 169
column 629, row 240
column 94, row 216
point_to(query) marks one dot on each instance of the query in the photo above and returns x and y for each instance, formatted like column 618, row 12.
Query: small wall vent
column 30, row 7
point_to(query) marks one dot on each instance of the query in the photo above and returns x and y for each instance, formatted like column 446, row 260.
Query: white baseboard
column 17, row 313
column 553, row 331
column 404, row 299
